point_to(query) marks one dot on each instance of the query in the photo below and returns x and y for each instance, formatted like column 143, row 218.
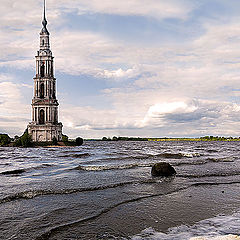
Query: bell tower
column 45, row 126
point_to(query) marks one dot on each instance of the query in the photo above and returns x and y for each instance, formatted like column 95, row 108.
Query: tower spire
column 44, row 10
column 44, row 22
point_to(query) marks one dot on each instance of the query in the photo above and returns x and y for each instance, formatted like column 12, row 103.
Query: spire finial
column 44, row 22
column 45, row 9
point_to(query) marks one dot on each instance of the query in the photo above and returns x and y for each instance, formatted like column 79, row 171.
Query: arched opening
column 40, row 138
column 42, row 90
column 42, row 117
column 43, row 42
column 42, row 70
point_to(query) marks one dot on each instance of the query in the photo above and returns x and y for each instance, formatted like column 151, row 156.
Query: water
column 104, row 190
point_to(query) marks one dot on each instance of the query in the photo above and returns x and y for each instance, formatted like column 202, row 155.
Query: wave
column 178, row 155
column 212, row 150
column 21, row 171
column 45, row 165
column 77, row 155
column 226, row 174
column 113, row 167
column 5, row 164
column 13, row 172
column 224, row 159
column 205, row 161
column 214, row 183
column 152, row 156
column 135, row 165
column 150, row 164
column 217, row 228
column 24, row 157
column 35, row 193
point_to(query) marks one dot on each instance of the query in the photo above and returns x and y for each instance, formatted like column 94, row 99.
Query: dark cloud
column 197, row 115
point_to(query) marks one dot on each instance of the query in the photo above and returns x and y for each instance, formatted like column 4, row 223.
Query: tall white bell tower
column 45, row 126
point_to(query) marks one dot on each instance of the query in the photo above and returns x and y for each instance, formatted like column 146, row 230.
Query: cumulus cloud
column 152, row 8
column 14, row 113
column 120, row 73
column 158, row 111
column 194, row 117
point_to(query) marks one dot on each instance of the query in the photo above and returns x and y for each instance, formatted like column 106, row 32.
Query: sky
column 147, row 68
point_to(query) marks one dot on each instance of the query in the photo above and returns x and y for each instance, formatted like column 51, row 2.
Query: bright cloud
column 152, row 8
column 13, row 113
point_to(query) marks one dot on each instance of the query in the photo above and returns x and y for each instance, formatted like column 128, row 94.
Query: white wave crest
column 113, row 167
column 217, row 228
column 226, row 237
column 190, row 155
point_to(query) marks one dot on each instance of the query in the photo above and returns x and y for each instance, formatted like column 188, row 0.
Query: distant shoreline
column 166, row 139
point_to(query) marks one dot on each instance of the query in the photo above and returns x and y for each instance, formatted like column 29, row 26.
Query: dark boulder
column 79, row 141
column 162, row 169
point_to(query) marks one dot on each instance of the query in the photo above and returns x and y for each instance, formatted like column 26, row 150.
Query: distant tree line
column 217, row 138
column 70, row 142
column 206, row 138
column 124, row 139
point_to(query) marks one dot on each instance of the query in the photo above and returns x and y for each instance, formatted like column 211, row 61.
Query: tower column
column 37, row 115
column 37, row 88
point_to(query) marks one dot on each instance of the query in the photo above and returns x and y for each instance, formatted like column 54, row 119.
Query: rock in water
column 163, row 169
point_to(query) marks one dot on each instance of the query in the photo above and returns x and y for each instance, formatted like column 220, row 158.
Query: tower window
column 42, row 117
column 43, row 42
column 42, row 90
column 42, row 71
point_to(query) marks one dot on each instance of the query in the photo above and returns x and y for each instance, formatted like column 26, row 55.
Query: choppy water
column 104, row 190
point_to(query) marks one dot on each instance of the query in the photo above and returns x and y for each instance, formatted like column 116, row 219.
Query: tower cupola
column 44, row 34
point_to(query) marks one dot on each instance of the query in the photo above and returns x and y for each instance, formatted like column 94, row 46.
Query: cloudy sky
column 151, row 68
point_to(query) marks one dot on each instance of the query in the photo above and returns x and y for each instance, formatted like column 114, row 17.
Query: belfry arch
column 42, row 70
column 42, row 90
column 41, row 117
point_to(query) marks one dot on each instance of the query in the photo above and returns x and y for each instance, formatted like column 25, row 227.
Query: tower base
column 46, row 132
